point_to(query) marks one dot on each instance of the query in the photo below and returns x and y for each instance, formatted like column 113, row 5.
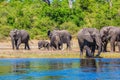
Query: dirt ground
column 5, row 47
column 6, row 51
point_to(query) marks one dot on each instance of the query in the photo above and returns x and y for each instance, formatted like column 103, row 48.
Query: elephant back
column 24, row 35
column 88, row 34
column 65, row 36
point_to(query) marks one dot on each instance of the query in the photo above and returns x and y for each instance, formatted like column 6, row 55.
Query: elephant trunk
column 99, row 44
column 99, row 50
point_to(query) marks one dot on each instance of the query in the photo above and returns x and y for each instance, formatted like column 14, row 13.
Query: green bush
column 37, row 17
column 70, row 26
column 4, row 31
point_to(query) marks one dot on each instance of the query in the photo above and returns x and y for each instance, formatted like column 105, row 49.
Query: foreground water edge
column 59, row 69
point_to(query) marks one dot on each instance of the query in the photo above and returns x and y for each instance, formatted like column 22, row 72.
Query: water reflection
column 59, row 65
column 88, row 63
column 21, row 67
column 59, row 69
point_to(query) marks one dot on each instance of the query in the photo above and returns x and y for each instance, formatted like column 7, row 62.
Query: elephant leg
column 16, row 44
column 13, row 43
column 17, row 47
column 59, row 46
column 118, row 46
column 112, row 43
column 105, row 47
column 81, row 50
column 54, row 47
column 93, row 50
column 81, row 46
column 27, row 46
column 68, row 46
column 88, row 51
column 48, row 46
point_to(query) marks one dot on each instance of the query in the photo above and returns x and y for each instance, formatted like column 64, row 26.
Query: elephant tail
column 31, row 42
column 70, row 37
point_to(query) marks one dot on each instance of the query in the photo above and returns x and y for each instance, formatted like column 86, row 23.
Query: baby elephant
column 44, row 44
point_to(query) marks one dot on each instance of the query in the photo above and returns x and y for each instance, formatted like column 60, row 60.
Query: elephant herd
column 57, row 38
column 89, row 39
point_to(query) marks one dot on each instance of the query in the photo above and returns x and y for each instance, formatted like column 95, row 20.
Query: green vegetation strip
column 37, row 17
column 54, row 55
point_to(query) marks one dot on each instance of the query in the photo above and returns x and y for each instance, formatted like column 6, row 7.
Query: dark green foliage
column 37, row 17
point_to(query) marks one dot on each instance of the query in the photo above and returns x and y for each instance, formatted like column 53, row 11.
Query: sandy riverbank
column 7, row 52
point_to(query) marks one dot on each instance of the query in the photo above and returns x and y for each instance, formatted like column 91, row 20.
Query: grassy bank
column 52, row 54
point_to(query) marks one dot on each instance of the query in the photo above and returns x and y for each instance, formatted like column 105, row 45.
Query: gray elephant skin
column 43, row 44
column 55, row 42
column 60, row 37
column 18, row 37
column 110, row 34
column 88, row 38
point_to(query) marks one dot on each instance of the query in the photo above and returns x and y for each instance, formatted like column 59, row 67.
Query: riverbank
column 7, row 52
column 51, row 54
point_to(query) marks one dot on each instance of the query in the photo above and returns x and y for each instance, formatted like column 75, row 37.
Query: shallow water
column 59, row 69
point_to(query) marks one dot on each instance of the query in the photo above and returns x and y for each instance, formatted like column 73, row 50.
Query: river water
column 60, row 69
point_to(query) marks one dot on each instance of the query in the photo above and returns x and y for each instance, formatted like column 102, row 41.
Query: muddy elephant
column 43, row 44
column 18, row 37
column 88, row 38
column 110, row 34
column 63, row 35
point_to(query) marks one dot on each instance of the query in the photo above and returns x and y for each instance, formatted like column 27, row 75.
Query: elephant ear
column 17, row 34
column 48, row 33
column 88, row 36
column 16, row 31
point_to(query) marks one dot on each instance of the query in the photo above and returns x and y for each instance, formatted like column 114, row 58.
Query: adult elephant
column 104, row 36
column 64, row 36
column 112, row 34
column 55, row 42
column 18, row 37
column 88, row 38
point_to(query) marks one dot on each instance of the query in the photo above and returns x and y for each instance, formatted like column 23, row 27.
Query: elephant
column 43, row 43
column 89, row 38
column 18, row 37
column 104, row 36
column 64, row 37
column 55, row 42
column 112, row 34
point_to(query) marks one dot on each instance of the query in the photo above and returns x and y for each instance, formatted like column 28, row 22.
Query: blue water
column 59, row 69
